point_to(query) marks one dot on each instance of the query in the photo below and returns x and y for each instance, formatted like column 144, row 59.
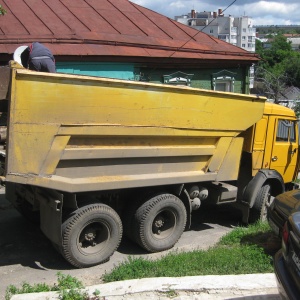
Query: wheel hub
column 90, row 237
column 159, row 222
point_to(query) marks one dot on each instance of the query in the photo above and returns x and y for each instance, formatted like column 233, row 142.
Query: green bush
column 68, row 287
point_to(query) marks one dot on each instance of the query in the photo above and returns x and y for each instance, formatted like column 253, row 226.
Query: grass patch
column 252, row 233
column 242, row 251
column 68, row 288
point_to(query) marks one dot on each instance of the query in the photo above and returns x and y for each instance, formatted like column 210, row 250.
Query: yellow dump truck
column 93, row 157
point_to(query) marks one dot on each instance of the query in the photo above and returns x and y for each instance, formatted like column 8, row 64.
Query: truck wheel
column 91, row 235
column 159, row 222
column 259, row 210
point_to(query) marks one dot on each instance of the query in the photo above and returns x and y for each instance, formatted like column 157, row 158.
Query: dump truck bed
column 78, row 133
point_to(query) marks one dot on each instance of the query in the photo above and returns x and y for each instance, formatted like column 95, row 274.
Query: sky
column 273, row 12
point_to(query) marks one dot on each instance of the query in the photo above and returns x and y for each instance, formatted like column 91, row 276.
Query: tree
column 279, row 49
column 292, row 68
column 271, row 83
column 279, row 67
column 297, row 109
column 2, row 10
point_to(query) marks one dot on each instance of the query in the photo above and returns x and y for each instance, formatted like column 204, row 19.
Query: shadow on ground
column 23, row 242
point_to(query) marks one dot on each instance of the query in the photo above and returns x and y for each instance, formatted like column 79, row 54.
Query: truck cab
column 279, row 130
column 272, row 143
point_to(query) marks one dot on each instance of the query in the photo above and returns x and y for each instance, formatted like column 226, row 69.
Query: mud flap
column 51, row 203
column 244, row 209
column 258, row 181
column 254, row 186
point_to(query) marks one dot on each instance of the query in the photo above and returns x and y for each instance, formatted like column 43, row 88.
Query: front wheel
column 91, row 235
column 159, row 222
column 263, row 200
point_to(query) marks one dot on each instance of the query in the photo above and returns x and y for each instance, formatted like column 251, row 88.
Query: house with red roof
column 120, row 39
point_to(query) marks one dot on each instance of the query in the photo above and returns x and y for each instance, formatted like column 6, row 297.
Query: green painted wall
column 111, row 70
column 202, row 78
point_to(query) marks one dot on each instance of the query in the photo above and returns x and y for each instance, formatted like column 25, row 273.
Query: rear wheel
column 159, row 222
column 91, row 235
column 263, row 200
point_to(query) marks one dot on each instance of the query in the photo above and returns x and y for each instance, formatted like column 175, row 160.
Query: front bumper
column 286, row 286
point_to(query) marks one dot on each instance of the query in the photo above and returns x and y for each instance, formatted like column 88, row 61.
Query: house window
column 223, row 85
column 222, row 37
column 243, row 45
column 211, row 31
column 243, row 38
column 223, row 81
column 178, row 78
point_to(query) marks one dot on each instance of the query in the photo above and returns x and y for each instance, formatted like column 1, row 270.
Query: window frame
column 285, row 133
column 178, row 78
column 224, row 77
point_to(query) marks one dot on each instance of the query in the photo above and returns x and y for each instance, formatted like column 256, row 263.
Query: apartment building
column 237, row 31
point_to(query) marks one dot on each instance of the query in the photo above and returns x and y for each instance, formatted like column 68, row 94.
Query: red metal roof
column 107, row 28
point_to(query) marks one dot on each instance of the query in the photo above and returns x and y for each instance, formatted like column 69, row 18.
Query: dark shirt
column 37, row 57
column 38, row 50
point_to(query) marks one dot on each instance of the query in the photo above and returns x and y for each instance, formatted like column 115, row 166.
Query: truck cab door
column 284, row 156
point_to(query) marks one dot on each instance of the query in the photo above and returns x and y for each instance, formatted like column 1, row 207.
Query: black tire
column 159, row 222
column 128, row 218
column 91, row 235
column 259, row 210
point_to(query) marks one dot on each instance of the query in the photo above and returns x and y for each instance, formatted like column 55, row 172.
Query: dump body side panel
column 77, row 133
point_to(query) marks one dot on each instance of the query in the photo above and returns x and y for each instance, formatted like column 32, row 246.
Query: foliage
column 171, row 293
column 2, row 10
column 236, row 253
column 73, row 294
column 279, row 67
column 280, row 49
column 221, row 260
column 239, row 234
column 297, row 109
column 273, row 83
column 68, row 287
column 276, row 30
column 27, row 288
column 68, row 282
column 292, row 68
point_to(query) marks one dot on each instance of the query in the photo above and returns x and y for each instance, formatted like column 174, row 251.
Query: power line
column 214, row 19
column 201, row 30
